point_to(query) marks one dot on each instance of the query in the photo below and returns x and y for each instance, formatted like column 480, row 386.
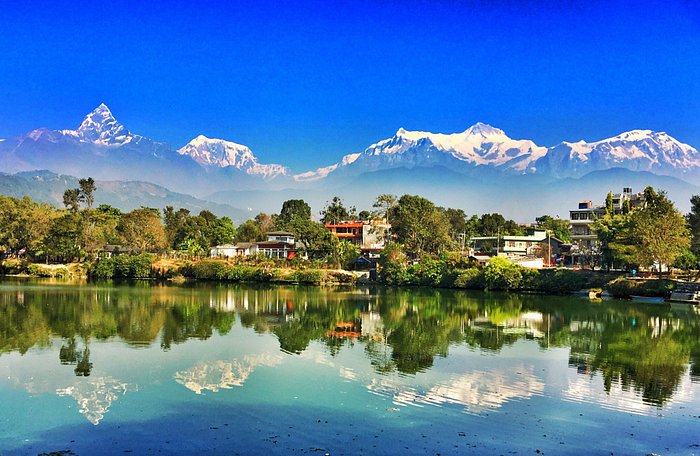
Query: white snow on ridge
column 220, row 153
column 320, row 173
column 482, row 144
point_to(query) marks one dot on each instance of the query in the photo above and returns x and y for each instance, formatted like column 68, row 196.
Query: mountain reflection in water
column 624, row 356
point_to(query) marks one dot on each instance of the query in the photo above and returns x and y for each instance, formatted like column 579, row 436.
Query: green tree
column 609, row 205
column 383, row 204
column 559, row 228
column 419, row 225
column 249, row 231
column 457, row 220
column 221, row 231
column 335, row 211
column 142, row 229
column 87, row 188
column 63, row 237
column 659, row 230
column 693, row 218
column 655, row 234
column 71, row 199
column 294, row 208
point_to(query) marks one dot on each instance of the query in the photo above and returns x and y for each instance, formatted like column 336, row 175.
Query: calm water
column 212, row 369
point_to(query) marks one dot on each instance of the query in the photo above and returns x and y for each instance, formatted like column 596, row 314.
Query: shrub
column 38, row 270
column 122, row 267
column 561, row 281
column 102, row 269
column 13, row 266
column 312, row 276
column 624, row 288
column 472, row 279
column 501, row 274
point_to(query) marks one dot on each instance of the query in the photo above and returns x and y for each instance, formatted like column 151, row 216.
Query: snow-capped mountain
column 479, row 144
column 105, row 149
column 637, row 150
column 484, row 146
column 220, row 153
column 100, row 127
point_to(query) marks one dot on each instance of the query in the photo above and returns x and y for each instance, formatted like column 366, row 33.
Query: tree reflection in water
column 643, row 348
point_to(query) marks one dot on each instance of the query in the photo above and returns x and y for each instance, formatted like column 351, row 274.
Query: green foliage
column 559, row 281
column 71, row 199
column 122, row 267
column 687, row 261
column 558, row 228
column 40, row 270
column 419, row 225
column 142, row 229
column 306, row 276
column 501, row 274
column 335, row 211
column 86, row 190
column 291, row 209
column 693, row 219
column 472, row 279
column 624, row 288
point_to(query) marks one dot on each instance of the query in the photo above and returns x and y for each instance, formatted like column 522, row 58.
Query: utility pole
column 549, row 242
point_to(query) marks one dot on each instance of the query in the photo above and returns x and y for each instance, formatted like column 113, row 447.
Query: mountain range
column 480, row 169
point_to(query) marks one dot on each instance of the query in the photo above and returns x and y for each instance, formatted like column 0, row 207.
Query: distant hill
column 48, row 187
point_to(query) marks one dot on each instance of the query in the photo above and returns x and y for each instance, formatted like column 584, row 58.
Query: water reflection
column 639, row 353
column 218, row 375
column 95, row 397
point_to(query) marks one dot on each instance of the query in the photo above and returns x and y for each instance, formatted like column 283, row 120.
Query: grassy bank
column 498, row 275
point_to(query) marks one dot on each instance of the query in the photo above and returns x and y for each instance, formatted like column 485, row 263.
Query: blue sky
column 304, row 83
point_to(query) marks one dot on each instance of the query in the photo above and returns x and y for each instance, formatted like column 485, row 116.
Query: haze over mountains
column 479, row 170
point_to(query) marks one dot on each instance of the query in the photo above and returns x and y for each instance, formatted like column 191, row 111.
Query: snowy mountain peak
column 212, row 152
column 101, row 127
column 484, row 130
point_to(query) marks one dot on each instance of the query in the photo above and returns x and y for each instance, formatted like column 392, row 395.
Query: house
column 223, row 251
column 367, row 235
column 347, row 230
column 279, row 244
column 536, row 243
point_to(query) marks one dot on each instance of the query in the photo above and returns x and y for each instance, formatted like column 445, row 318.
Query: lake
column 147, row 368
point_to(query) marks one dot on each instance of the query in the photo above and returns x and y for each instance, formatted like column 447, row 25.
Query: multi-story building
column 582, row 218
column 367, row 235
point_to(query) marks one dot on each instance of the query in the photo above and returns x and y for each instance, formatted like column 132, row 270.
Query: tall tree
column 249, row 231
column 142, row 229
column 335, row 211
column 383, row 204
column 294, row 208
column 419, row 225
column 660, row 230
column 87, row 188
column 71, row 199
column 694, row 223
column 609, row 205
column 561, row 229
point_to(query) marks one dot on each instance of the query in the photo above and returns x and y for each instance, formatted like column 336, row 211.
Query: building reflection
column 649, row 351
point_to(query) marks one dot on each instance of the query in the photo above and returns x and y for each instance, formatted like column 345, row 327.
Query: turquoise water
column 211, row 369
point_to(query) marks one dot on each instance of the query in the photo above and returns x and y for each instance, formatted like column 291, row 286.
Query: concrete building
column 582, row 236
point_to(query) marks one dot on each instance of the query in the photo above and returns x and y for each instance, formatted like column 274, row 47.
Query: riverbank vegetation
column 425, row 246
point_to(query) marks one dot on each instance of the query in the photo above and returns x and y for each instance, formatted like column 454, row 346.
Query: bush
column 561, row 281
column 624, row 288
column 122, row 267
column 531, row 280
column 472, row 279
column 102, row 269
column 38, row 270
column 311, row 276
column 14, row 266
column 501, row 274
